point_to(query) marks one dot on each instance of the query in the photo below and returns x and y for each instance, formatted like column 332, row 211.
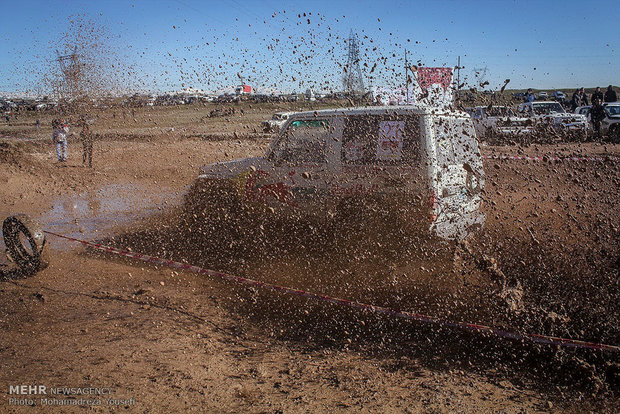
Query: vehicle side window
column 612, row 110
column 381, row 140
column 303, row 142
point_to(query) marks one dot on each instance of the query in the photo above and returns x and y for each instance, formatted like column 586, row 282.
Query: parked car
column 551, row 113
column 492, row 121
column 559, row 96
column 584, row 110
column 275, row 123
column 543, row 95
column 423, row 158
column 610, row 126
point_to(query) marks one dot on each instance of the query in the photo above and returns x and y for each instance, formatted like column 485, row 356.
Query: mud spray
column 502, row 278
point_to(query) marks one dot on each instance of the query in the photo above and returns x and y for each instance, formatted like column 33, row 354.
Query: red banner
column 439, row 76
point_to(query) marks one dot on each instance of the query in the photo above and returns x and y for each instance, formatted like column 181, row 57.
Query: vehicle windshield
column 612, row 110
column 304, row 142
column 545, row 108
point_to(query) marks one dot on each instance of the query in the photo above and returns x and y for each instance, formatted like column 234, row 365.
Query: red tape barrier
column 541, row 339
column 550, row 158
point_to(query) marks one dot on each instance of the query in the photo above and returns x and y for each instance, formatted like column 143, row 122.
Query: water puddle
column 94, row 214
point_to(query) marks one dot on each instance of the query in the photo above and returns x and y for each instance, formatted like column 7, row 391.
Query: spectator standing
column 87, row 143
column 597, row 95
column 574, row 100
column 610, row 94
column 597, row 114
column 59, row 137
column 529, row 96
column 579, row 99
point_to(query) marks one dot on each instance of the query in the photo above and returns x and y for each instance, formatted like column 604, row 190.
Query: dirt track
column 178, row 341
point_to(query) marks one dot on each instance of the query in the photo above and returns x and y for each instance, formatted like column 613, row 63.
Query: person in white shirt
column 59, row 137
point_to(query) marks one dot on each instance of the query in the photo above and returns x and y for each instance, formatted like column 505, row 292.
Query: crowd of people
column 581, row 99
column 597, row 112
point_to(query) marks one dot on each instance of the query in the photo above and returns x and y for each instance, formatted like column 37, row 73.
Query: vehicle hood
column 565, row 116
column 228, row 169
column 509, row 119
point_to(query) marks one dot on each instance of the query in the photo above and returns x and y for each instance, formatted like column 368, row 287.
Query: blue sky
column 166, row 45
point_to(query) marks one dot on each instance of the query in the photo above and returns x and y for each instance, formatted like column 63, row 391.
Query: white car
column 551, row 113
column 610, row 125
column 275, row 123
column 543, row 95
column 423, row 162
column 583, row 110
column 499, row 120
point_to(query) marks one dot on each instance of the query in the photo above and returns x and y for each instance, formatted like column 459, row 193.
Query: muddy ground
column 177, row 341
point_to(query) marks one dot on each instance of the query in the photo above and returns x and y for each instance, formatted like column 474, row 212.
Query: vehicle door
column 300, row 173
column 459, row 177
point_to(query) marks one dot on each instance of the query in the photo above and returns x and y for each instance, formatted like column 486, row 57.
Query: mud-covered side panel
column 458, row 178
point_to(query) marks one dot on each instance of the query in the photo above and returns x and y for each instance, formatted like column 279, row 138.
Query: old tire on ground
column 25, row 243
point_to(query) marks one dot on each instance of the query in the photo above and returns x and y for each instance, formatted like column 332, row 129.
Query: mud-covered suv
column 275, row 123
column 424, row 158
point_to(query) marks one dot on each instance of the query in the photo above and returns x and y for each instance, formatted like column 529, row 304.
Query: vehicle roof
column 382, row 110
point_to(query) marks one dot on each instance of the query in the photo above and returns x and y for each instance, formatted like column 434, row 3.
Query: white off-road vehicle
column 552, row 114
column 423, row 158
column 275, row 123
column 492, row 121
